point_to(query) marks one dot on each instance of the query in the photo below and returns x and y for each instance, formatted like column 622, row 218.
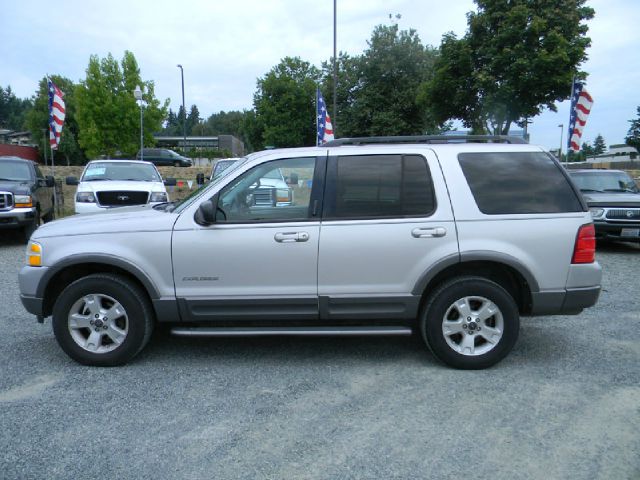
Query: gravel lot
column 564, row 405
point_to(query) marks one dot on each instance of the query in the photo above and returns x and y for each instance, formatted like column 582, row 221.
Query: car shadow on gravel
column 11, row 238
column 286, row 350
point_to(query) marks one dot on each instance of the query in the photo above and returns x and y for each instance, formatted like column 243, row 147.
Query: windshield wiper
column 619, row 190
column 591, row 190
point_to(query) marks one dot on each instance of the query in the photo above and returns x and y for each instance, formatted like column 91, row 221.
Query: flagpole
column 570, row 133
column 317, row 92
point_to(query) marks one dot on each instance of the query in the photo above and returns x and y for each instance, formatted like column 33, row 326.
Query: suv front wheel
column 102, row 320
column 470, row 323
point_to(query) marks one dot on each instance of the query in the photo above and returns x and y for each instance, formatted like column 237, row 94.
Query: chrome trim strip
column 288, row 331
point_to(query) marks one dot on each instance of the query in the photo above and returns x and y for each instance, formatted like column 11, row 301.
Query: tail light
column 585, row 248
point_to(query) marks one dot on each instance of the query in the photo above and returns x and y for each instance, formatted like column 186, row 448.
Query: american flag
column 56, row 114
column 325, row 129
column 581, row 103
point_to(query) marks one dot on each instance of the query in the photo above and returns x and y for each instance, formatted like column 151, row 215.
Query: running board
column 287, row 331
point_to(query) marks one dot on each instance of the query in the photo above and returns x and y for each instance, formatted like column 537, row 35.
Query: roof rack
column 425, row 139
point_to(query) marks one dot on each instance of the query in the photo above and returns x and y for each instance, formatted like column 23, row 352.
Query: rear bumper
column 567, row 302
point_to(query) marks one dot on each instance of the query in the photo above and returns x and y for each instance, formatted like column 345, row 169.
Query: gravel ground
column 565, row 404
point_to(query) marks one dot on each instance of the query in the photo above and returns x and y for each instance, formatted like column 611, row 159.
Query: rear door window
column 379, row 186
column 518, row 183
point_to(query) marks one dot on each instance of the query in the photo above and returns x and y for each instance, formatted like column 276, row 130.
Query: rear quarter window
column 518, row 183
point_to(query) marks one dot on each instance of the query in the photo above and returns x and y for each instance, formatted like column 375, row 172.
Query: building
column 220, row 142
column 620, row 152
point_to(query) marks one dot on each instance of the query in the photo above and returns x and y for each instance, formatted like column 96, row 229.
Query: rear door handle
column 429, row 232
column 286, row 237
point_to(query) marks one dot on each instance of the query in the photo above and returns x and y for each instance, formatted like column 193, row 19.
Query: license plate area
column 630, row 232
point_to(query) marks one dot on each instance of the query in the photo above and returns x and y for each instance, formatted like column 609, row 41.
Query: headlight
column 34, row 254
column 596, row 212
column 158, row 197
column 22, row 201
column 85, row 197
column 283, row 195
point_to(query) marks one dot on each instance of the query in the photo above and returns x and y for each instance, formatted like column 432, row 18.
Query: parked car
column 270, row 190
column 106, row 184
column 614, row 202
column 163, row 156
column 26, row 195
column 454, row 238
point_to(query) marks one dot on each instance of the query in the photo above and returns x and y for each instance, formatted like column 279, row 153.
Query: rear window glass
column 518, row 183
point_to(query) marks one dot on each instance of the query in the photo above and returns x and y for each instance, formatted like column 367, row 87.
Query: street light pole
column 560, row 150
column 184, row 119
column 137, row 93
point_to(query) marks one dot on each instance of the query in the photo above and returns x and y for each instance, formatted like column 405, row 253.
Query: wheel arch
column 500, row 268
column 64, row 273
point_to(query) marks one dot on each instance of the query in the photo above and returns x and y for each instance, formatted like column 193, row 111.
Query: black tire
column 28, row 230
column 137, row 320
column 474, row 294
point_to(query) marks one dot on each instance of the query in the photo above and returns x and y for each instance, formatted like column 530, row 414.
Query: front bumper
column 16, row 217
column 622, row 231
column 29, row 281
column 96, row 208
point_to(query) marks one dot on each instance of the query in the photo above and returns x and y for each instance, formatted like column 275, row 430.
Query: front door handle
column 429, row 232
column 286, row 237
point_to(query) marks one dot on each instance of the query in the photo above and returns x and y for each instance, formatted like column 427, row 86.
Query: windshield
column 14, row 171
column 121, row 171
column 604, row 181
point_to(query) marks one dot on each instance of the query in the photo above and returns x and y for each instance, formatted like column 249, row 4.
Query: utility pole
column 184, row 120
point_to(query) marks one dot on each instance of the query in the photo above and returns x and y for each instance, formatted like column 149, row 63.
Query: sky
column 224, row 47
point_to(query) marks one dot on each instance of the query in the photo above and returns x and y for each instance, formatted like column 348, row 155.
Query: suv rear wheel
column 102, row 320
column 470, row 323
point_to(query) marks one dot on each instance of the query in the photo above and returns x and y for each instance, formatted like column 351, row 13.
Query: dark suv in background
column 614, row 202
column 163, row 156
column 26, row 195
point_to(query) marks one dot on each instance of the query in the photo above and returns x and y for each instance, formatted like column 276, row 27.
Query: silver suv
column 453, row 238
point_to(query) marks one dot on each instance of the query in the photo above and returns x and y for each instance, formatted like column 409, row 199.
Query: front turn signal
column 34, row 254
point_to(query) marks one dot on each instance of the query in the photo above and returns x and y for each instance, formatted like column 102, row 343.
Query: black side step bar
column 287, row 331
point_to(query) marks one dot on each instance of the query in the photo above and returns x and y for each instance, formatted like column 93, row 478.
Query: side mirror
column 72, row 181
column 293, row 179
column 49, row 181
column 206, row 213
column 170, row 182
column 200, row 179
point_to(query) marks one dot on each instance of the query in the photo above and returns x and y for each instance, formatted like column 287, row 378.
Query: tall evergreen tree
column 599, row 145
column 633, row 135
column 13, row 110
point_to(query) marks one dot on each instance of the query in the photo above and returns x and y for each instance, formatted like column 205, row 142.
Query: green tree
column 587, row 150
column 633, row 135
column 13, row 110
column 378, row 91
column 517, row 57
column 599, row 145
column 107, row 112
column 193, row 119
column 37, row 122
column 285, row 104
